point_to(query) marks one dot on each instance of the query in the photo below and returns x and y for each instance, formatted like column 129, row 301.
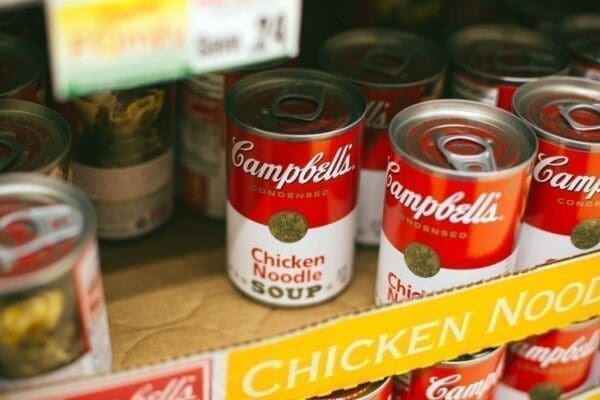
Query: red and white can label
column 439, row 232
column 555, row 363
column 291, row 215
column 566, row 184
column 499, row 95
column 471, row 380
column 382, row 105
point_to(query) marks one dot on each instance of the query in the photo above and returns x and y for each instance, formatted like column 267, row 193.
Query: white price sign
column 229, row 33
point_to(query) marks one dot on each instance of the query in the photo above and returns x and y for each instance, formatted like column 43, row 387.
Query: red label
column 566, row 184
column 505, row 96
column 468, row 381
column 316, row 178
column 469, row 223
column 561, row 357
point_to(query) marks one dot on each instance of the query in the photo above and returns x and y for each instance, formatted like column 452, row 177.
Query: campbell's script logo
column 544, row 173
column 377, row 116
column 315, row 170
column 177, row 389
column 483, row 210
column 548, row 356
column 446, row 388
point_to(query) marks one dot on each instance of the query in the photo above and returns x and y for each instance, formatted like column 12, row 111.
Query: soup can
column 394, row 70
column 53, row 323
column 581, row 34
column 381, row 390
column 22, row 64
column 293, row 157
column 456, row 185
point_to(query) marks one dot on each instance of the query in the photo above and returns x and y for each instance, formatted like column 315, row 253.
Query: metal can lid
column 295, row 104
column 506, row 53
column 462, row 138
column 385, row 58
column 44, row 225
column 473, row 358
column 365, row 391
column 21, row 63
column 563, row 110
column 32, row 137
column 582, row 35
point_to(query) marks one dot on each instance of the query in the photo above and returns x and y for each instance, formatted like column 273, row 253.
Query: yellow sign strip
column 382, row 342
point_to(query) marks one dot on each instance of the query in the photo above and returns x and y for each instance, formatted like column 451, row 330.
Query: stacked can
column 53, row 323
column 123, row 158
column 565, row 114
column 394, row 70
column 33, row 138
column 582, row 36
column 456, row 187
column 491, row 62
column 381, row 390
column 551, row 365
column 22, row 76
column 468, row 377
column 293, row 149
column 202, row 139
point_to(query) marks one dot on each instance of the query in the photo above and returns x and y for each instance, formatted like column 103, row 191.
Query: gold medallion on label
column 586, row 234
column 422, row 260
column 288, row 226
column 545, row 391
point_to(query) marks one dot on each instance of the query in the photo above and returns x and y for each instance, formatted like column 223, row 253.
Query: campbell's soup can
column 551, row 365
column 394, row 70
column 202, row 138
column 456, row 185
column 491, row 62
column 565, row 114
column 53, row 324
column 581, row 34
column 293, row 157
column 468, row 377
column 122, row 157
column 401, row 387
column 381, row 390
column 34, row 138
column 21, row 70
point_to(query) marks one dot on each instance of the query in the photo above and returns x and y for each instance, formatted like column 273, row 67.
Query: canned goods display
column 582, row 36
column 468, row 377
column 123, row 158
column 22, row 66
column 53, row 323
column 547, row 366
column 33, row 138
column 293, row 146
column 202, row 139
column 394, row 70
column 456, row 187
column 565, row 114
column 491, row 62
column 381, row 390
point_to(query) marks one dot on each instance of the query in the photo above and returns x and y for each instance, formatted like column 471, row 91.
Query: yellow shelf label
column 417, row 333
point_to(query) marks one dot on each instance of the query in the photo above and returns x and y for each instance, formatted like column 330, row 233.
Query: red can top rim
column 44, row 226
column 295, row 104
column 382, row 58
column 562, row 110
column 32, row 137
column 506, row 53
column 21, row 63
column 582, row 36
column 462, row 139
column 365, row 391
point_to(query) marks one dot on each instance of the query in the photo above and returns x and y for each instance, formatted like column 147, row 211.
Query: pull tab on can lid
column 462, row 138
column 51, row 225
column 382, row 58
column 562, row 110
column 294, row 103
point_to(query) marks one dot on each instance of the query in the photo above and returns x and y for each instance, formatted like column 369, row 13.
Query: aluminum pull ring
column 53, row 224
column 483, row 161
column 15, row 149
column 533, row 61
column 404, row 57
column 565, row 112
column 306, row 92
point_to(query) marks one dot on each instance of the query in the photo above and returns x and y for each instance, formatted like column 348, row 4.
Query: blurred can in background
column 380, row 390
column 22, row 70
column 581, row 34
